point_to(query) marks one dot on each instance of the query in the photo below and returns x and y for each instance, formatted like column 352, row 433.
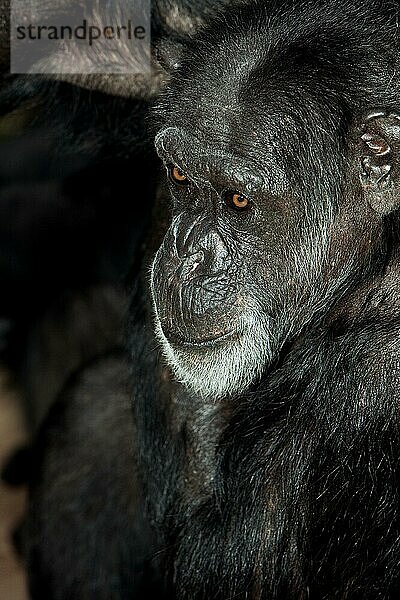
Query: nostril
column 192, row 268
column 190, row 263
column 194, row 257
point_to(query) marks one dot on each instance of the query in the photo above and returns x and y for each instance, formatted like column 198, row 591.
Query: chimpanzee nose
column 196, row 243
column 190, row 264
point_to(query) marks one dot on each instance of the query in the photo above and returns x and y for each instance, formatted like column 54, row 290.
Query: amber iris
column 237, row 200
column 177, row 176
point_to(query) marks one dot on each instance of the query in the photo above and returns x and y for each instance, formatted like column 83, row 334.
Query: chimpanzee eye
column 236, row 200
column 177, row 176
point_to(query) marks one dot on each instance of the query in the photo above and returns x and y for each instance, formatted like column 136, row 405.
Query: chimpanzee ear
column 380, row 160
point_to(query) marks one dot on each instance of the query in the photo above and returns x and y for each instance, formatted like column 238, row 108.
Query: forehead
column 213, row 103
column 225, row 117
column 231, row 107
column 204, row 155
column 232, row 104
column 219, row 132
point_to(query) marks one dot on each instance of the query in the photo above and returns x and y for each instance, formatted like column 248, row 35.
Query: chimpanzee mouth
column 177, row 340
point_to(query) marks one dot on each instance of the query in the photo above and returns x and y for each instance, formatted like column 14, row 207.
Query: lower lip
column 178, row 341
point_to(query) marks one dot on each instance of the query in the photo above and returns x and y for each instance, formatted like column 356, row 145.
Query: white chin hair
column 222, row 370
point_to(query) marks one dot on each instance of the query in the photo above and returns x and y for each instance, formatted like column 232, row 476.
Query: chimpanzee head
column 283, row 177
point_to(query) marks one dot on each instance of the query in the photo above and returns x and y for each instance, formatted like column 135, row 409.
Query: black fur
column 104, row 488
column 288, row 488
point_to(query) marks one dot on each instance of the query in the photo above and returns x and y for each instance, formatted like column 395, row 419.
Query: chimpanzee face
column 231, row 266
column 270, row 221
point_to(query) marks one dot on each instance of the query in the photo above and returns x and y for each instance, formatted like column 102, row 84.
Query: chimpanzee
column 262, row 458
